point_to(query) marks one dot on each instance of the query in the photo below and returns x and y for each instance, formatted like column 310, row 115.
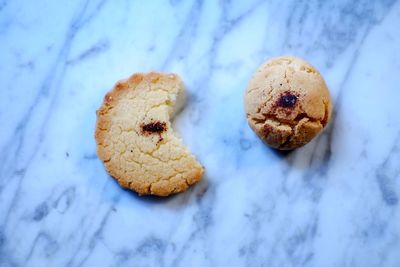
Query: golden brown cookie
column 287, row 102
column 135, row 139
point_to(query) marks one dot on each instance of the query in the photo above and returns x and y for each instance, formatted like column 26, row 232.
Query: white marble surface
column 334, row 202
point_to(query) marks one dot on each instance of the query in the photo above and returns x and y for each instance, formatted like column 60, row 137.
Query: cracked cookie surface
column 287, row 102
column 135, row 140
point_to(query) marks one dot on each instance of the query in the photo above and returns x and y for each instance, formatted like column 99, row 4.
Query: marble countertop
column 334, row 202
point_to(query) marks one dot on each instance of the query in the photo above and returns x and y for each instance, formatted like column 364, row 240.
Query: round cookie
column 287, row 102
column 135, row 140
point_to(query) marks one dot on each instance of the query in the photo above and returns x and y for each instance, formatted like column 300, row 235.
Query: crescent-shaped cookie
column 135, row 140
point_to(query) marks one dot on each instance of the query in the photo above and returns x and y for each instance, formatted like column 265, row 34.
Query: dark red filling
column 287, row 100
column 154, row 127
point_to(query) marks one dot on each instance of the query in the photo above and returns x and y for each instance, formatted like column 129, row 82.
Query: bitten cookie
column 287, row 102
column 135, row 139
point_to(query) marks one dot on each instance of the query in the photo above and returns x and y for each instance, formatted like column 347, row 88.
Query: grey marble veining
column 334, row 202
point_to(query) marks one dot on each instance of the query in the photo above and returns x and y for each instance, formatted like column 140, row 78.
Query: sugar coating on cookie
column 135, row 139
column 287, row 102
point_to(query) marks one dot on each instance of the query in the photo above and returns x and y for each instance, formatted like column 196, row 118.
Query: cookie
column 135, row 140
column 287, row 102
